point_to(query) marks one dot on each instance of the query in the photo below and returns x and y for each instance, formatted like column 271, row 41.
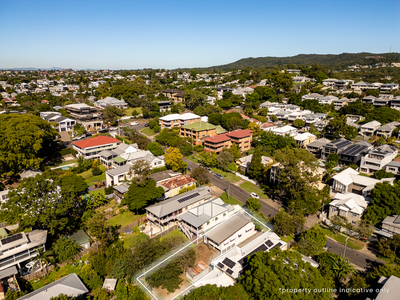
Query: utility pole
column 344, row 252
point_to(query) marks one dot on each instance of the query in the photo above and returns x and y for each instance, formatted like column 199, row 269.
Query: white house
column 111, row 101
column 290, row 130
column 349, row 205
column 64, row 123
column 377, row 158
column 92, row 147
column 370, row 128
column 349, row 181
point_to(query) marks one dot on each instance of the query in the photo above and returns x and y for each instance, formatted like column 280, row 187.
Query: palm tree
column 43, row 257
column 341, row 268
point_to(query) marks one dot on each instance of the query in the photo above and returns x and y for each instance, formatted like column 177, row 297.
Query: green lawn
column 128, row 111
column 134, row 238
column 193, row 158
column 55, row 275
column 88, row 173
column 92, row 180
column 227, row 175
column 123, row 219
column 65, row 163
column 174, row 233
column 352, row 243
column 251, row 188
column 109, row 205
column 230, row 200
column 99, row 191
column 148, row 131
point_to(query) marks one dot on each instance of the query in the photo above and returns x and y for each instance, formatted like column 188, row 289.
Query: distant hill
column 334, row 61
column 30, row 69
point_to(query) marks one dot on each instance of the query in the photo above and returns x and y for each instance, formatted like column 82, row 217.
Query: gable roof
column 201, row 214
column 96, row 141
column 371, row 124
column 350, row 202
column 228, row 228
column 175, row 203
column 69, row 285
column 199, row 126
column 176, row 182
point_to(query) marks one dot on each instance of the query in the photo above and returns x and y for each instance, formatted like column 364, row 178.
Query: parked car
column 134, row 123
column 208, row 169
column 189, row 169
column 146, row 125
column 219, row 176
column 254, row 195
column 124, row 125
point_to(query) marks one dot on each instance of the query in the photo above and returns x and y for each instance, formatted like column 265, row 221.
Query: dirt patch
column 216, row 192
column 68, row 157
column 205, row 254
column 163, row 294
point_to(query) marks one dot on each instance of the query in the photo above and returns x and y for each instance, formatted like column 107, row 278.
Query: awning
column 8, row 272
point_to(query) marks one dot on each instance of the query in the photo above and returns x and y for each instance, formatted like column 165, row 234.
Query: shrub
column 96, row 171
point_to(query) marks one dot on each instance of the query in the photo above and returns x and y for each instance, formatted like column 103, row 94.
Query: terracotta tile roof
column 253, row 86
column 266, row 125
column 96, row 141
column 397, row 159
column 217, row 138
column 240, row 133
column 177, row 181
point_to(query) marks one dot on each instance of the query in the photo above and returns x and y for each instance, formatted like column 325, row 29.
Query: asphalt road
column 355, row 257
column 235, row 191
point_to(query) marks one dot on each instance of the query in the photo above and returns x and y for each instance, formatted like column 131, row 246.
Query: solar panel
column 219, row 265
column 241, row 261
column 269, row 243
column 12, row 238
column 188, row 197
column 229, row 271
column 228, row 262
column 277, row 245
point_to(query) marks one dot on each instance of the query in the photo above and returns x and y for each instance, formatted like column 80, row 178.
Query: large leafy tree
column 224, row 159
column 298, row 179
column 65, row 249
column 213, row 292
column 155, row 148
column 174, row 159
column 73, row 185
column 286, row 224
column 193, row 99
column 270, row 142
column 24, row 141
column 256, row 168
column 38, row 202
column 385, row 202
column 311, row 241
column 201, row 175
column 384, row 115
column 338, row 127
column 141, row 195
column 270, row 272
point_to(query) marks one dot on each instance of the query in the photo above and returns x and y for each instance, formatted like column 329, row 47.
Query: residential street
column 355, row 257
column 235, row 191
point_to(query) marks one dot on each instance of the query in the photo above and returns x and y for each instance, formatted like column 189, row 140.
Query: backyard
column 123, row 219
column 128, row 111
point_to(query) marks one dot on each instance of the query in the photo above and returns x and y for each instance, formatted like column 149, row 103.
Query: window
column 355, row 215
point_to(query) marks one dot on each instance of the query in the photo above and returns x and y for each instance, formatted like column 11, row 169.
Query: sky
column 130, row 34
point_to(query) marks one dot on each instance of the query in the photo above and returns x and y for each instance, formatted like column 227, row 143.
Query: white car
column 134, row 123
column 254, row 195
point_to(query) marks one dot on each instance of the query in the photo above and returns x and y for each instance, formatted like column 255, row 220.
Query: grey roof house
column 393, row 167
column 315, row 147
column 335, row 147
column 387, row 129
column 354, row 153
column 69, row 285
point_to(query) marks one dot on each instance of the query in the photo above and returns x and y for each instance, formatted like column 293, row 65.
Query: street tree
column 364, row 229
column 174, row 159
column 253, row 204
column 201, row 175
column 286, row 224
column 224, row 159
column 268, row 273
column 312, row 241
